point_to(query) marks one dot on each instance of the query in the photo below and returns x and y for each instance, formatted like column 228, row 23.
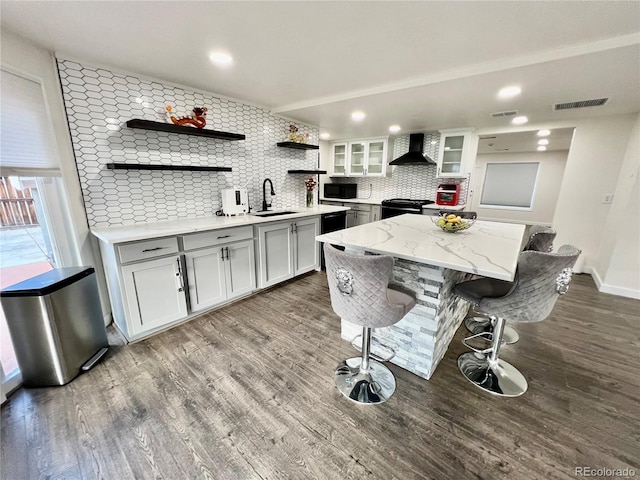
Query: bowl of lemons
column 452, row 223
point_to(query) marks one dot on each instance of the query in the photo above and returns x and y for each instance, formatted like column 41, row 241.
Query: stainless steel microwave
column 340, row 190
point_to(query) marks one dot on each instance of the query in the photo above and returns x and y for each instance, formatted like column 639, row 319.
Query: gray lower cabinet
column 306, row 249
column 287, row 249
column 358, row 215
column 155, row 283
column 216, row 275
column 275, row 244
column 153, row 293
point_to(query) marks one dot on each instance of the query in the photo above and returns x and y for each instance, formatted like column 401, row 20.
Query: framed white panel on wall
column 509, row 185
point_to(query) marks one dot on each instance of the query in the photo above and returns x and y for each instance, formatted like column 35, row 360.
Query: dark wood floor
column 247, row 392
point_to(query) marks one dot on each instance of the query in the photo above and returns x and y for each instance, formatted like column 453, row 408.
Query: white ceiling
column 422, row 65
column 527, row 141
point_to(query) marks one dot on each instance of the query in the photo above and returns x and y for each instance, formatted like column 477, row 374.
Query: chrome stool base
column 364, row 387
column 483, row 325
column 496, row 377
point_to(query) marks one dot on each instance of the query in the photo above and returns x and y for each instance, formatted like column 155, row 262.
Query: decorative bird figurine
column 198, row 119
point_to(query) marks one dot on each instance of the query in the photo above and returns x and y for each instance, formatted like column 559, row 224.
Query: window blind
column 509, row 185
column 27, row 144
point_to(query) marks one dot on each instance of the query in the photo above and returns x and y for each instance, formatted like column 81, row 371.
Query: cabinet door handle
column 223, row 236
column 222, row 253
column 152, row 249
column 179, row 275
column 227, row 249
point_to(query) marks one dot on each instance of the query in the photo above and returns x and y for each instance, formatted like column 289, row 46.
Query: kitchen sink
column 272, row 214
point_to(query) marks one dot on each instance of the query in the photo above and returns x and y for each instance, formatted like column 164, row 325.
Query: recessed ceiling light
column 542, row 148
column 508, row 92
column 325, row 136
column 544, row 133
column 394, row 128
column 543, row 141
column 519, row 120
column 220, row 58
column 358, row 116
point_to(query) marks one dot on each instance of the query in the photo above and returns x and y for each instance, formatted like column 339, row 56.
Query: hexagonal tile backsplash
column 99, row 103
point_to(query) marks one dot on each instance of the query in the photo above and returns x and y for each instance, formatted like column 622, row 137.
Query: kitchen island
column 430, row 262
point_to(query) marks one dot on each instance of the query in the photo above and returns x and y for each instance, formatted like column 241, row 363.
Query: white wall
column 99, row 102
column 20, row 55
column 550, row 173
column 593, row 168
column 618, row 262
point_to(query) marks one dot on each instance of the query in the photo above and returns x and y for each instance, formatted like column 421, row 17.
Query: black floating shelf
column 171, row 128
column 299, row 146
column 185, row 168
column 307, row 171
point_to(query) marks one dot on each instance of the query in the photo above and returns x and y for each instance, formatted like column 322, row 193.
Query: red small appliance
column 448, row 194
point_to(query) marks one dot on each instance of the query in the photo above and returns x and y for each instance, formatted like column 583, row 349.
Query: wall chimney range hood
column 414, row 156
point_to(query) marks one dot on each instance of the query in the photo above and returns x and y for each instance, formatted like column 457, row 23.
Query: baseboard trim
column 611, row 289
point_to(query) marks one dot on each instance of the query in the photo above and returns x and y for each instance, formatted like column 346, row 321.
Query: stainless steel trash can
column 56, row 325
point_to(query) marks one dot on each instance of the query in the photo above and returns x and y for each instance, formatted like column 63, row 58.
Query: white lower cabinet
column 358, row 215
column 306, row 249
column 287, row 249
column 275, row 243
column 218, row 274
column 154, row 293
column 205, row 276
column 148, row 280
column 376, row 213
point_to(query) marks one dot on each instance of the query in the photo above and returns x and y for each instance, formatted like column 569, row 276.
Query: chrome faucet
column 265, row 205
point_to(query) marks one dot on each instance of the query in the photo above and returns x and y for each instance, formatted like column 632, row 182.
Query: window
column 28, row 146
column 509, row 185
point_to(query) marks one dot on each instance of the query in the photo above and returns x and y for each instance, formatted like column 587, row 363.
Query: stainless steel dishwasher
column 56, row 325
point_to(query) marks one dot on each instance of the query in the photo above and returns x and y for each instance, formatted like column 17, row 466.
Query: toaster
column 235, row 201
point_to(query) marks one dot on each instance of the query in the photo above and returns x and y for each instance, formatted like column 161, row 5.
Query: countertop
column 131, row 233
column 369, row 201
column 490, row 249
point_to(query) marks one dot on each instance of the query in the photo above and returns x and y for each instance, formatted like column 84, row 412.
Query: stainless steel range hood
column 414, row 156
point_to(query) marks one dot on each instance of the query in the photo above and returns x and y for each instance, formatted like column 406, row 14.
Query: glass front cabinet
column 458, row 149
column 339, row 158
column 355, row 158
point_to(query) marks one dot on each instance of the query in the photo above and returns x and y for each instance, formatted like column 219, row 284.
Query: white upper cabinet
column 458, row 149
column 339, row 158
column 359, row 158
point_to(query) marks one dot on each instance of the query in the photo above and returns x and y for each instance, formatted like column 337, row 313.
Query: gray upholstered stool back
column 540, row 239
column 358, row 286
column 541, row 277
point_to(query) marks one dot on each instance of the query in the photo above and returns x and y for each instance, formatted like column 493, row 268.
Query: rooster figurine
column 198, row 119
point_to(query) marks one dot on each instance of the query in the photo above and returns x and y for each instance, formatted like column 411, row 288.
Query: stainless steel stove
column 400, row 206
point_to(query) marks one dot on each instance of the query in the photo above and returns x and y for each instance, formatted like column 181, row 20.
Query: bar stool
column 541, row 278
column 360, row 294
column 540, row 240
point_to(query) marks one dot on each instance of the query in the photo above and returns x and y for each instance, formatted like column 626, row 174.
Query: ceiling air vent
column 507, row 113
column 580, row 104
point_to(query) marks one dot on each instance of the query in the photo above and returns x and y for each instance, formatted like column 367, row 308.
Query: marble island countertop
column 130, row 233
column 490, row 249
